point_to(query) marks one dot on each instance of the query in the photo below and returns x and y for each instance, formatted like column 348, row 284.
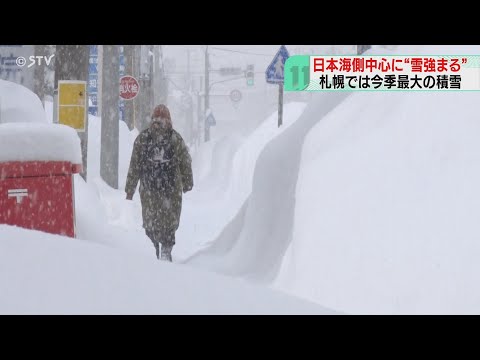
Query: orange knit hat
column 161, row 111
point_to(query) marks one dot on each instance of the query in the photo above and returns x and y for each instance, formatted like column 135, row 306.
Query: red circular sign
column 235, row 95
column 129, row 87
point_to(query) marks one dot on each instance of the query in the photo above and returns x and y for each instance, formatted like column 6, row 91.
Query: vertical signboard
column 72, row 104
column 93, row 80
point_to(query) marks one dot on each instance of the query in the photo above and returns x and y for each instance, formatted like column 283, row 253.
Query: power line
column 161, row 58
column 178, row 87
column 242, row 52
column 199, row 48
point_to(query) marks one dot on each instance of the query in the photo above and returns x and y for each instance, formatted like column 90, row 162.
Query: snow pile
column 19, row 104
column 91, row 219
column 126, row 140
column 246, row 157
column 387, row 205
column 259, row 229
column 202, row 160
column 219, row 196
column 39, row 141
column 50, row 274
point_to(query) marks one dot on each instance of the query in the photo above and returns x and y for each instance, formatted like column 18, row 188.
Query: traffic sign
column 93, row 80
column 129, row 87
column 235, row 95
column 210, row 119
column 250, row 75
column 274, row 73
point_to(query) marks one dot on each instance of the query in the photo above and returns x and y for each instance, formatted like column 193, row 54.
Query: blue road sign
column 211, row 120
column 274, row 73
column 93, row 80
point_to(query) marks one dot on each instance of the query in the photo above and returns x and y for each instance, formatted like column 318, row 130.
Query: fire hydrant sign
column 72, row 103
column 129, row 87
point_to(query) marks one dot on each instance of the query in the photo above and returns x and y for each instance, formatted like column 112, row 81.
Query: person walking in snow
column 160, row 160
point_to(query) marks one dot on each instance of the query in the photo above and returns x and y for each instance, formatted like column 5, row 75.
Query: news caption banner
column 382, row 73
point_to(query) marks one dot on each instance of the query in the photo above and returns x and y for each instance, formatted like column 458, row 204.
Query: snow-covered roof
column 19, row 104
column 25, row 134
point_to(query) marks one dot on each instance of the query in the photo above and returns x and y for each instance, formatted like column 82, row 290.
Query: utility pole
column 207, row 99
column 188, row 66
column 128, row 51
column 146, row 93
column 151, row 59
column 99, row 78
column 158, row 78
column 110, row 116
column 200, row 116
column 161, row 83
column 189, row 106
column 362, row 48
column 280, row 104
column 137, row 102
column 39, row 74
column 143, row 93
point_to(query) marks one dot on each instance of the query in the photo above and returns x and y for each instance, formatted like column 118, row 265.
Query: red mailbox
column 39, row 195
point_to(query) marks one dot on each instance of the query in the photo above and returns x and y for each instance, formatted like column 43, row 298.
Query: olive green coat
column 160, row 212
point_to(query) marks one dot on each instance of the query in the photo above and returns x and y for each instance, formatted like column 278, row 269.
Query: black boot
column 155, row 243
column 167, row 253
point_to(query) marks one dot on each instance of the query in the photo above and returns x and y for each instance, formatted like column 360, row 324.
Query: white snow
column 253, row 242
column 362, row 202
column 219, row 196
column 49, row 274
column 111, row 267
column 122, row 275
column 246, row 157
column 126, row 139
column 387, row 205
column 39, row 141
column 19, row 104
